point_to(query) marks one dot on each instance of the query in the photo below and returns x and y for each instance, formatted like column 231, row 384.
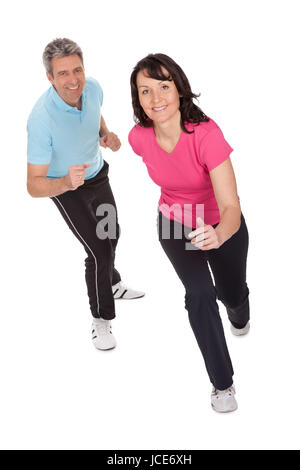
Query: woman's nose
column 156, row 97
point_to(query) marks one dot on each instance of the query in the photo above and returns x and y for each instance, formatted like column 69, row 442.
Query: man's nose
column 72, row 79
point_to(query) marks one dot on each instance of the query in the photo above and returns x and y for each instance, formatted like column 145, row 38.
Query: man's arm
column 38, row 185
column 107, row 138
column 103, row 128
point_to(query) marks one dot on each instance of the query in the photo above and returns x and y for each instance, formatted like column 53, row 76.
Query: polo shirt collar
column 62, row 105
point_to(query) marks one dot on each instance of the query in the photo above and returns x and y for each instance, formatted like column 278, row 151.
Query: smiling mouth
column 73, row 88
column 161, row 108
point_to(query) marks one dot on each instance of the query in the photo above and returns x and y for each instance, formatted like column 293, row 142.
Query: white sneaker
column 102, row 336
column 120, row 291
column 240, row 331
column 223, row 401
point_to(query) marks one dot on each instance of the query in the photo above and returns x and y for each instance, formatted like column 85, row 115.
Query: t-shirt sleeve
column 96, row 89
column 39, row 143
column 134, row 141
column 100, row 95
column 214, row 149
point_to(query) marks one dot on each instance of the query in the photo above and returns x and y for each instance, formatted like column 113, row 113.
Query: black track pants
column 228, row 265
column 78, row 209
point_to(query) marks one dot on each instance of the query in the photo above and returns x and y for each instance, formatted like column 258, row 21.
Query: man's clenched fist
column 75, row 176
column 111, row 141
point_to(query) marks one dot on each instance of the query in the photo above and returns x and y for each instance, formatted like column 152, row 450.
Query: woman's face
column 159, row 99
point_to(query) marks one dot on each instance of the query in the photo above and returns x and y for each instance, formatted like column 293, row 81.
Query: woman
column 187, row 156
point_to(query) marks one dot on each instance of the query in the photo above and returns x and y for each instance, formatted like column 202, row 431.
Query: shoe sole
column 223, row 411
column 131, row 298
column 237, row 332
column 105, row 349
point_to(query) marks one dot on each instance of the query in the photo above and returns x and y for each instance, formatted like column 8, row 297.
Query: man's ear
column 50, row 77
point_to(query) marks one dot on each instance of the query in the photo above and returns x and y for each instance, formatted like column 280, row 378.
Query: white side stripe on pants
column 96, row 278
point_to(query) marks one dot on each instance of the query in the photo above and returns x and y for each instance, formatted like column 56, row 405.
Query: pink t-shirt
column 183, row 175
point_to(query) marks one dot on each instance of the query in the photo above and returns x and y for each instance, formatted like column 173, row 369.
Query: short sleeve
column 134, row 141
column 101, row 95
column 214, row 149
column 96, row 88
column 99, row 91
column 39, row 143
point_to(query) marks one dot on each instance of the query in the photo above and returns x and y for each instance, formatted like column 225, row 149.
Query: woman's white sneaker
column 223, row 401
column 120, row 291
column 240, row 331
column 102, row 336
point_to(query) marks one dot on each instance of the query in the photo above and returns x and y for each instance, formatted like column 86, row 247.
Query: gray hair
column 60, row 47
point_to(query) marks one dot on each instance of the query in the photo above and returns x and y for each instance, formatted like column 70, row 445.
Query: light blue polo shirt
column 62, row 135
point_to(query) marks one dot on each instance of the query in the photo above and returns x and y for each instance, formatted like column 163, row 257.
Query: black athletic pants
column 79, row 208
column 228, row 265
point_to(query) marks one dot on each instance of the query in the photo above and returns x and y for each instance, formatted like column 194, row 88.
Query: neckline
column 65, row 106
column 174, row 149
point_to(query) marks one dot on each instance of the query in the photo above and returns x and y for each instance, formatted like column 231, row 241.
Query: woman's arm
column 225, row 189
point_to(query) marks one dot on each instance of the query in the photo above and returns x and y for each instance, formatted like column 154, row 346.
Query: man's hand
column 111, row 141
column 204, row 237
column 75, row 176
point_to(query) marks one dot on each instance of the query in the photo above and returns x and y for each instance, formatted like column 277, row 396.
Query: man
column 65, row 164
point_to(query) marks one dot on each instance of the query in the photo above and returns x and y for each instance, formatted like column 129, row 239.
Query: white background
column 152, row 391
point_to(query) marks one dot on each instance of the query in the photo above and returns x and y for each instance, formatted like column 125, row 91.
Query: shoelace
column 229, row 391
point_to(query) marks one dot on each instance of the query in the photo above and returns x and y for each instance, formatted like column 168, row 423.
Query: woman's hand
column 204, row 236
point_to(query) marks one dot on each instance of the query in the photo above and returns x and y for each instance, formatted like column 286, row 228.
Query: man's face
column 68, row 78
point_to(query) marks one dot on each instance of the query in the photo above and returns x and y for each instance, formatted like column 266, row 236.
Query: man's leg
column 80, row 210
column 103, row 205
column 99, row 261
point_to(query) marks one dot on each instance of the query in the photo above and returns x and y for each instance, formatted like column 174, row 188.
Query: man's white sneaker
column 223, row 401
column 102, row 336
column 120, row 291
column 240, row 331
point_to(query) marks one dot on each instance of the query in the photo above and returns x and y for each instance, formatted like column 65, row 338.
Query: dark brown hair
column 153, row 64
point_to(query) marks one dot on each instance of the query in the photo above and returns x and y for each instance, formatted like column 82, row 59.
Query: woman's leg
column 200, row 301
column 228, row 265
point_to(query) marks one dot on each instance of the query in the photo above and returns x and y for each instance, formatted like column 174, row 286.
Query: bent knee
column 199, row 296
